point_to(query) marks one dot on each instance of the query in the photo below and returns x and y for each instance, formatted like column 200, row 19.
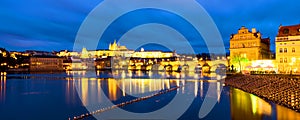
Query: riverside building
column 250, row 45
column 287, row 49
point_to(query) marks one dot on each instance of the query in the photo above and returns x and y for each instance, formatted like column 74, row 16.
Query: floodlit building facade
column 288, row 49
column 249, row 44
column 46, row 63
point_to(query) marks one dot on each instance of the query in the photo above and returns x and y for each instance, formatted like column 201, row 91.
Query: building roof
column 292, row 30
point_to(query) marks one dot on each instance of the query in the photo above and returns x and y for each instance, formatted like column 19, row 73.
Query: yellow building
column 114, row 49
column 46, row 63
column 152, row 54
column 118, row 50
column 287, row 49
column 117, row 47
column 66, row 53
column 249, row 44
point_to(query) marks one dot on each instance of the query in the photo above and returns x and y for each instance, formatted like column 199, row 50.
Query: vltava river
column 42, row 96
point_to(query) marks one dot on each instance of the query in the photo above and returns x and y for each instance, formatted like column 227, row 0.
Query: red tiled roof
column 289, row 30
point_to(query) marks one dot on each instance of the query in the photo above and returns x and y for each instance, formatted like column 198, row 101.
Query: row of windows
column 285, row 50
column 287, row 31
column 283, row 39
column 285, row 43
column 244, row 37
column 246, row 44
column 283, row 60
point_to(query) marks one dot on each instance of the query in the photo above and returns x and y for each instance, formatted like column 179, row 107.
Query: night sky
column 52, row 25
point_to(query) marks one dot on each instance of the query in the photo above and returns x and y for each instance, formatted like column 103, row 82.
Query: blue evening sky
column 52, row 25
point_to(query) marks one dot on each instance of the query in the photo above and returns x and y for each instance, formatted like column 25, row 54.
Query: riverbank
column 281, row 89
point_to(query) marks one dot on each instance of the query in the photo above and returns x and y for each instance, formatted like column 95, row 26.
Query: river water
column 60, row 96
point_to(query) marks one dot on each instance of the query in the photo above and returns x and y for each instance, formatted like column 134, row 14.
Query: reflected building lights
column 84, row 90
column 195, row 88
column 177, row 84
column 167, row 83
column 162, row 84
column 219, row 90
column 3, row 87
column 99, row 90
column 241, row 101
column 130, row 87
column 143, row 86
column 112, row 89
column 137, row 86
column 68, row 90
column 284, row 113
column 242, row 105
column 123, row 88
column 201, row 88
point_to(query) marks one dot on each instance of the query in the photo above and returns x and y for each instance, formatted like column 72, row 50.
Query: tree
column 240, row 60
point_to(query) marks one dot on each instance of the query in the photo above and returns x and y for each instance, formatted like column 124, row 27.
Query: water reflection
column 121, row 74
column 38, row 96
column 49, row 90
column 284, row 113
column 2, row 86
column 248, row 106
column 244, row 105
column 117, row 88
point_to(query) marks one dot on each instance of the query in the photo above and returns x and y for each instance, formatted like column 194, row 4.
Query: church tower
column 113, row 46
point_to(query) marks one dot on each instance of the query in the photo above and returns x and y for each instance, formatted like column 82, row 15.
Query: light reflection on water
column 248, row 106
column 63, row 87
column 2, row 86
column 138, row 87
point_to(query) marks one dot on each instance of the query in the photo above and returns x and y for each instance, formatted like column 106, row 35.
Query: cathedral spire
column 115, row 42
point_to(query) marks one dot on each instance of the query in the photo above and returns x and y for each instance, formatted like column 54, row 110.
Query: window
column 280, row 50
column 285, row 50
column 286, row 31
column 281, row 60
column 285, row 60
column 293, row 50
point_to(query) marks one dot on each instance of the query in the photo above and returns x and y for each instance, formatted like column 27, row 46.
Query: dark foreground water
column 60, row 96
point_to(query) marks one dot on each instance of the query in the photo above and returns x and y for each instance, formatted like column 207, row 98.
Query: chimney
column 253, row 30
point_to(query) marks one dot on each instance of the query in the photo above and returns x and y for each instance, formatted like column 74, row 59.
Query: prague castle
column 118, row 47
column 249, row 44
column 287, row 49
